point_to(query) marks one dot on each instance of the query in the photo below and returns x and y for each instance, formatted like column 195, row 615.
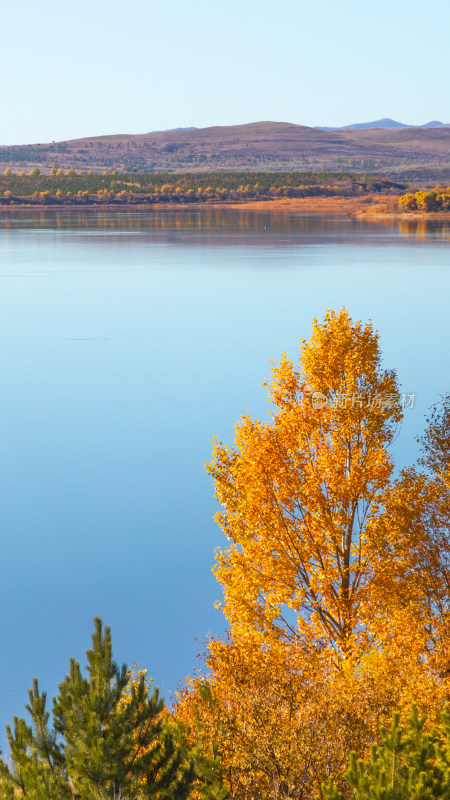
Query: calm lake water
column 128, row 340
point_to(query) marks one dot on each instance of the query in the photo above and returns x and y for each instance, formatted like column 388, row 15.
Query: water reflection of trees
column 422, row 228
column 419, row 228
column 164, row 219
column 217, row 220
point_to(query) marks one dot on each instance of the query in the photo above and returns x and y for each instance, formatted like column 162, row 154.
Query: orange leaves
column 336, row 577
column 298, row 492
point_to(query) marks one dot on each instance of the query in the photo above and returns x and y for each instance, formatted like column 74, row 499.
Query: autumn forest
column 70, row 188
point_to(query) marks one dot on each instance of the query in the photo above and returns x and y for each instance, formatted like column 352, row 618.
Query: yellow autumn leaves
column 300, row 494
column 336, row 576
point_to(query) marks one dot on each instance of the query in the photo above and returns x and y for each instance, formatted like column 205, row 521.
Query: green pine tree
column 109, row 738
column 410, row 764
column 37, row 770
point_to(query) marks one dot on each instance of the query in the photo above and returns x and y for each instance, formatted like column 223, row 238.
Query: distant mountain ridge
column 386, row 124
column 399, row 153
column 185, row 128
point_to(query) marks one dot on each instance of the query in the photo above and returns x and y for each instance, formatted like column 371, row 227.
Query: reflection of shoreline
column 219, row 222
column 418, row 225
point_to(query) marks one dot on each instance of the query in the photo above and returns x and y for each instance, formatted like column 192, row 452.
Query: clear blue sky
column 103, row 66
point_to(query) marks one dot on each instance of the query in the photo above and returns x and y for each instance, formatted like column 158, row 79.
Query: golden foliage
column 300, row 493
column 435, row 200
column 336, row 579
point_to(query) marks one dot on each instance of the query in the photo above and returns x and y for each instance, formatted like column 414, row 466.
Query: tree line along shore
column 70, row 188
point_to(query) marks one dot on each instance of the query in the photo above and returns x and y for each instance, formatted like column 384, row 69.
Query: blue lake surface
column 127, row 341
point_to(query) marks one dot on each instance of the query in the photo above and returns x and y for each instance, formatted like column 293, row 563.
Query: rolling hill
column 408, row 154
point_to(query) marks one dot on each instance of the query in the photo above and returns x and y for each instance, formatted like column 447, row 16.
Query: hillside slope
column 406, row 153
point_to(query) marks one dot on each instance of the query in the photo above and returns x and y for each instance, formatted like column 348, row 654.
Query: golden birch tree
column 335, row 576
column 300, row 493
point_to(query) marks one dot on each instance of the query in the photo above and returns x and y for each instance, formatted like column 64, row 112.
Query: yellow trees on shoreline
column 434, row 200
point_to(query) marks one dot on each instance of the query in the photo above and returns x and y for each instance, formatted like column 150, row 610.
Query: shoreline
column 308, row 204
column 367, row 207
column 404, row 216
